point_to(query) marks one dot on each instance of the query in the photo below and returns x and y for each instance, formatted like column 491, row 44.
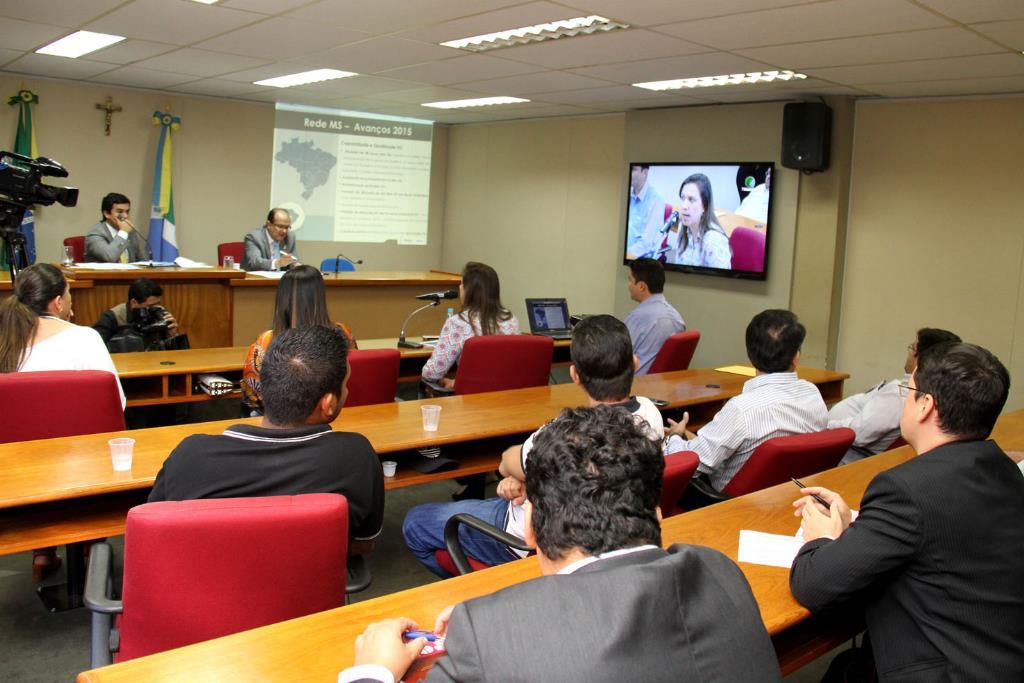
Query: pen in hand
column 815, row 496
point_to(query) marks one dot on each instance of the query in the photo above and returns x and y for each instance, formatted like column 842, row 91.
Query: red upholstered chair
column 502, row 361
column 77, row 245
column 374, row 376
column 898, row 442
column 679, row 469
column 747, row 249
column 200, row 569
column 677, row 352
column 778, row 459
column 29, row 397
column 234, row 249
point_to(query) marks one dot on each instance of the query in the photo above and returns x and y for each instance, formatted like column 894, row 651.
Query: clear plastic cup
column 229, row 262
column 431, row 417
column 389, row 467
column 69, row 256
column 121, row 453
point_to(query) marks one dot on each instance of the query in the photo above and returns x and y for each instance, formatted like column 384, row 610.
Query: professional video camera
column 20, row 189
column 147, row 330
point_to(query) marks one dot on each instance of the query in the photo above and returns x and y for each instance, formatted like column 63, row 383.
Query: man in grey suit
column 934, row 558
column 612, row 604
column 272, row 246
column 115, row 239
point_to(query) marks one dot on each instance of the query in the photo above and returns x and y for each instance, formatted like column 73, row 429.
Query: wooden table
column 39, row 479
column 317, row 647
column 162, row 377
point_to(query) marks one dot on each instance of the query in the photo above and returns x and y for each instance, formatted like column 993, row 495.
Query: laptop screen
column 547, row 314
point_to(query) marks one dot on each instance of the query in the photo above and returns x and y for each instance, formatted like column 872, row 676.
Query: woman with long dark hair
column 481, row 314
column 702, row 241
column 301, row 302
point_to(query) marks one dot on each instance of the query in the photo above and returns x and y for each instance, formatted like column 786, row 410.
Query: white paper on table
column 183, row 262
column 272, row 274
column 773, row 550
column 105, row 266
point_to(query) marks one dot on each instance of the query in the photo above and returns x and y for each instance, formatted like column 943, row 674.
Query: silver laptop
column 549, row 318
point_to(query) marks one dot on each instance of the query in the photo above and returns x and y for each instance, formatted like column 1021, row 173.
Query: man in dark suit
column 612, row 605
column 272, row 246
column 115, row 239
column 934, row 558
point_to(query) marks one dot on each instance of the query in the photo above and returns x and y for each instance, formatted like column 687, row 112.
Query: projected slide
column 352, row 177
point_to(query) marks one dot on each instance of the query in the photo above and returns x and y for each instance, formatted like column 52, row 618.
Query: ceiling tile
column 978, row 10
column 200, row 62
column 601, row 48
column 57, row 67
column 264, row 6
column 57, row 12
column 1006, row 64
column 690, row 66
column 136, row 77
column 389, row 16
column 269, row 71
column 380, row 54
column 181, row 23
column 836, row 19
column 356, row 86
column 25, row 35
column 614, row 93
column 217, row 87
column 282, row 38
column 1008, row 33
column 470, row 67
column 130, row 50
column 434, row 94
column 654, row 12
column 9, row 55
column 891, row 47
column 548, row 81
column 490, row 22
column 969, row 86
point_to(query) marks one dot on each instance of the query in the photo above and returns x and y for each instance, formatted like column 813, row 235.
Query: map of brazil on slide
column 313, row 164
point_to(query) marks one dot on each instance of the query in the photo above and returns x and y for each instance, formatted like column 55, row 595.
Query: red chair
column 29, row 397
column 499, row 362
column 747, row 249
column 201, row 569
column 235, row 250
column 778, row 459
column 679, row 470
column 676, row 353
column 374, row 376
column 898, row 442
column 77, row 245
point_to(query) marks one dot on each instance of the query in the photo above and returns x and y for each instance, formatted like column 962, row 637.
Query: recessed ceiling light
column 726, row 79
column 566, row 28
column 207, row 2
column 474, row 102
column 79, row 43
column 315, row 76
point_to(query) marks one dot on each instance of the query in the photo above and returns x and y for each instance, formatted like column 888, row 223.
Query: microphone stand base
column 409, row 344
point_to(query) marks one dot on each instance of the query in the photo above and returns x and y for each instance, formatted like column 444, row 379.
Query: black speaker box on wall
column 806, row 136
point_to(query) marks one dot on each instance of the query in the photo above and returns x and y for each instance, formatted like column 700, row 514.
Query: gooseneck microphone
column 337, row 261
column 437, row 296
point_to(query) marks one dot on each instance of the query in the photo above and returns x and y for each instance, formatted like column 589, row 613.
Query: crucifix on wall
column 110, row 108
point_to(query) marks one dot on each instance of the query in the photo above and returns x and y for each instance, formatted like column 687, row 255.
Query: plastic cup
column 121, row 454
column 431, row 417
column 69, row 256
column 389, row 467
column 229, row 262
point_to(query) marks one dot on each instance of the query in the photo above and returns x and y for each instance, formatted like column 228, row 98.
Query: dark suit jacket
column 101, row 247
column 257, row 249
column 936, row 559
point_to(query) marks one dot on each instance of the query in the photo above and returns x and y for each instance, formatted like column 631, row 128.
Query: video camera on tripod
column 21, row 188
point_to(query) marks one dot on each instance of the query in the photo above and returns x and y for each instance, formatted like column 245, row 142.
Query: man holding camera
column 115, row 239
column 143, row 313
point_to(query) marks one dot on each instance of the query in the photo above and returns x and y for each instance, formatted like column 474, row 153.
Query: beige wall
column 540, row 201
column 934, row 237
column 222, row 162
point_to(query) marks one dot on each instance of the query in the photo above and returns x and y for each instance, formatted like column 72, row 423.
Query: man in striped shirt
column 774, row 403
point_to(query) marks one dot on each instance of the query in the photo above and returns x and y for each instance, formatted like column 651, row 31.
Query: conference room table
column 317, row 647
column 64, row 490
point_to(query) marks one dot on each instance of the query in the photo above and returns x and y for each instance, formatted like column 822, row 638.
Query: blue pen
column 413, row 635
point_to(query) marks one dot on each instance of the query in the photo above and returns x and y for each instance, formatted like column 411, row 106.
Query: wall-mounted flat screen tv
column 708, row 218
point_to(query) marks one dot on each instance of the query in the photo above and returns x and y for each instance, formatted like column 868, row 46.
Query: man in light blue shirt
column 645, row 205
column 654, row 320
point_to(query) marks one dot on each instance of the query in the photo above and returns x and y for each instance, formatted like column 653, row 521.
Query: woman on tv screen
column 701, row 241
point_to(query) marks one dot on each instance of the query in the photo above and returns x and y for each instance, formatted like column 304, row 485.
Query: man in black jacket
column 142, row 293
column 935, row 555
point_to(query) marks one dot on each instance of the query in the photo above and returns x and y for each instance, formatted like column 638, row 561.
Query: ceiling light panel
column 79, row 43
column 474, row 102
column 305, row 77
column 750, row 78
column 565, row 28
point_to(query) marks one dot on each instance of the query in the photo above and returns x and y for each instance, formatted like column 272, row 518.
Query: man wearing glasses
column 875, row 414
column 272, row 246
column 934, row 558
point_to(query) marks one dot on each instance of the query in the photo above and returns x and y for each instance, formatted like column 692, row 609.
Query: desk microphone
column 337, row 261
column 437, row 296
column 669, row 222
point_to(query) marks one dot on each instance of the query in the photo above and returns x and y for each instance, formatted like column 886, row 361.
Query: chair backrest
column 90, row 399
column 679, row 470
column 800, row 455
column 374, row 376
column 236, row 250
column 747, row 249
column 77, row 245
column 677, row 352
column 503, row 361
column 898, row 442
column 200, row 569
column 336, row 265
